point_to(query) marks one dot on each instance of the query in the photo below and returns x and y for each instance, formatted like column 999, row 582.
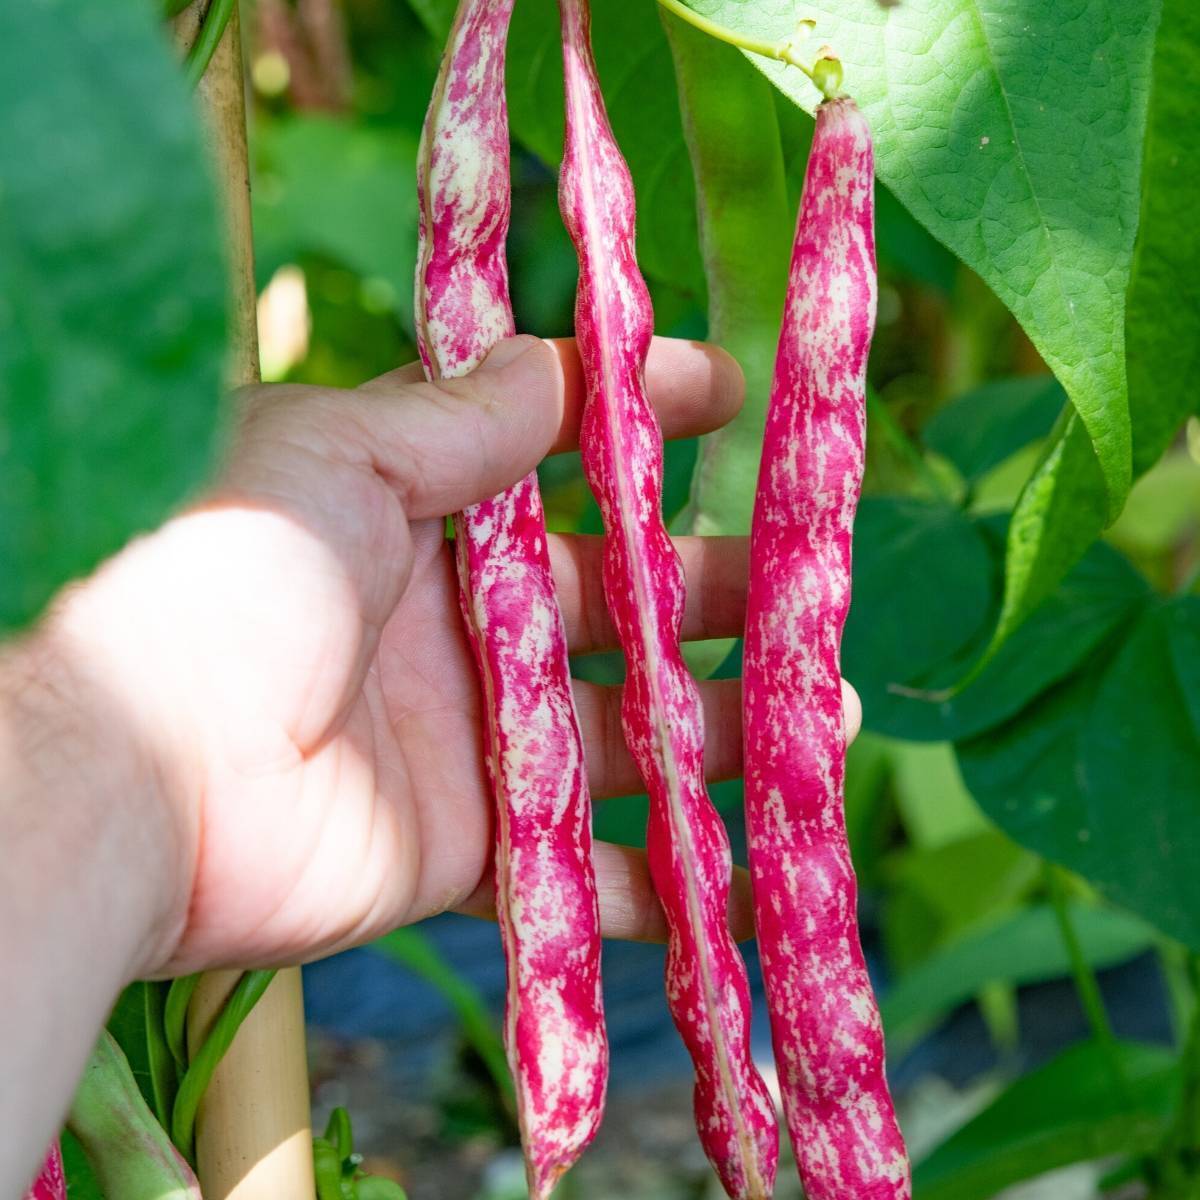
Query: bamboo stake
column 253, row 1127
column 253, row 1135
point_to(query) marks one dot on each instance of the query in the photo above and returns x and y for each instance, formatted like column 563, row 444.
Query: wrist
column 87, row 790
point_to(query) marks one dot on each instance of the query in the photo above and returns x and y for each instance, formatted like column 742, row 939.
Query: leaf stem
column 207, row 40
column 179, row 996
column 828, row 83
column 1086, row 985
column 1172, row 1171
column 204, row 1062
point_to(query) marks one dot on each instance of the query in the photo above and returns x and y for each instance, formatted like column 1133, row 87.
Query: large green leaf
column 1162, row 328
column 1140, row 759
column 1024, row 948
column 1099, row 773
column 1071, row 1110
column 112, row 294
column 1014, row 132
column 1062, row 508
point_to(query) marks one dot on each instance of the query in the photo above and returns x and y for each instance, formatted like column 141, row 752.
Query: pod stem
column 825, row 73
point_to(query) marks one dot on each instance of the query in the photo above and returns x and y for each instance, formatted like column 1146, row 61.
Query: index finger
column 695, row 387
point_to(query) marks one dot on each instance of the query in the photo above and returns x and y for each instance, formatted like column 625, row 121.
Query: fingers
column 446, row 445
column 629, row 907
column 715, row 569
column 694, row 387
column 611, row 770
column 851, row 712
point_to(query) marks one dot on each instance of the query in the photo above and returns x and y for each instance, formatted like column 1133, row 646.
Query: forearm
column 84, row 870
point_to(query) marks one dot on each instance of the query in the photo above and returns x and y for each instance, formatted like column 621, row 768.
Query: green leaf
column 136, row 1023
column 1063, row 506
column 344, row 190
column 81, row 1179
column 1141, row 743
column 112, row 296
column 991, row 423
column 1100, row 594
column 921, row 591
column 1162, row 328
column 1059, row 513
column 1014, row 134
column 634, row 63
column 1065, row 1112
column 1024, row 948
column 129, row 1152
column 1099, row 773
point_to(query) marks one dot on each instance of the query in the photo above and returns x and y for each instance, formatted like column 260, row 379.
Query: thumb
column 454, row 442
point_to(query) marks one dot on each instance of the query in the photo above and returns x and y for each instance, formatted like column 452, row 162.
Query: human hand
column 292, row 656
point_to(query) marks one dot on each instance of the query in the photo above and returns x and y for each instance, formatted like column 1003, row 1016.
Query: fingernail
column 505, row 353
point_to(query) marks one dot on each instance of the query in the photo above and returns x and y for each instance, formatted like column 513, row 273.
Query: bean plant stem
column 783, row 52
column 1086, row 985
column 1172, row 1171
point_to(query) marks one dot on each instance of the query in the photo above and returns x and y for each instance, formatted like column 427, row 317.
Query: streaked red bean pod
column 546, row 891
column 51, row 1183
column 622, row 456
column 824, row 1020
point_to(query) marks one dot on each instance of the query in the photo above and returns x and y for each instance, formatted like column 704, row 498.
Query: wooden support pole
column 253, row 1128
column 253, row 1135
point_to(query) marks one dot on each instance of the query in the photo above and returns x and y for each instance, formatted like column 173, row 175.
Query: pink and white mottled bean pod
column 546, row 891
column 51, row 1183
column 622, row 456
column 824, row 1020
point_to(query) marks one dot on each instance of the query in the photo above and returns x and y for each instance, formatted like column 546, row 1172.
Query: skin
column 229, row 746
